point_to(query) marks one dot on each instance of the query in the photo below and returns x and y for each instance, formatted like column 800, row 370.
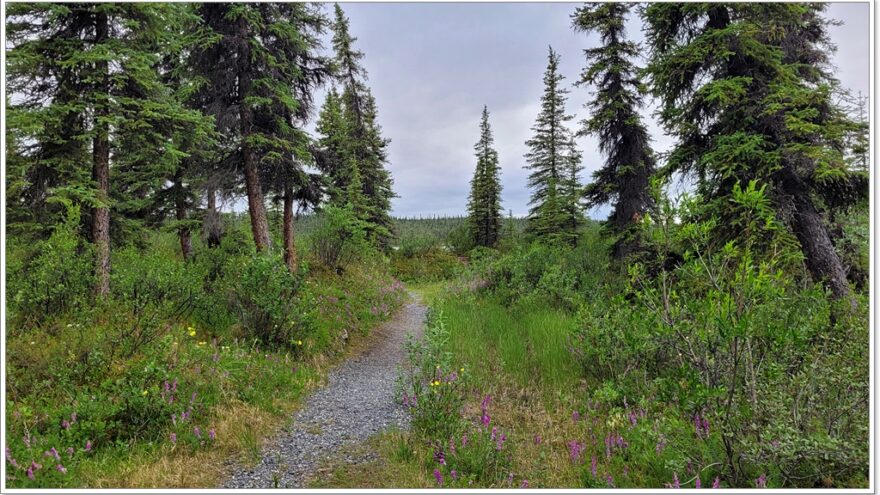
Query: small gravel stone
column 357, row 403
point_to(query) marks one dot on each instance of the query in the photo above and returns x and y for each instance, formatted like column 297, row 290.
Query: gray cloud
column 433, row 66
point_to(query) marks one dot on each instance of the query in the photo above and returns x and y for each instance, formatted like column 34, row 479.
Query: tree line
column 145, row 114
column 747, row 92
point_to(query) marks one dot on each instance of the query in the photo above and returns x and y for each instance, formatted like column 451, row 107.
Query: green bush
column 271, row 303
column 54, row 276
column 339, row 239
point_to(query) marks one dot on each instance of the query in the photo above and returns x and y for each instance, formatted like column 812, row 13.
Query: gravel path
column 357, row 402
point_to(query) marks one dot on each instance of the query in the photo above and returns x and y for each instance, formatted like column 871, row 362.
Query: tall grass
column 529, row 342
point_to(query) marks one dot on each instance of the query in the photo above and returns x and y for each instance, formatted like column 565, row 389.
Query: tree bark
column 212, row 224
column 289, row 240
column 101, row 167
column 821, row 259
column 256, row 207
column 180, row 211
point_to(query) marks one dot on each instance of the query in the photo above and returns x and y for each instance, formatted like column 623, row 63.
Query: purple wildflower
column 575, row 416
column 10, row 458
column 494, row 432
column 440, row 457
column 593, row 466
column 675, row 482
column 69, row 450
column 524, row 484
column 73, row 417
column 453, row 474
column 697, row 483
column 30, row 473
column 575, row 449
column 500, row 444
column 464, row 439
column 27, row 440
column 716, row 483
column 212, row 434
column 761, row 482
column 61, row 469
column 35, row 466
column 610, row 480
column 173, row 437
column 197, row 432
column 438, row 477
column 88, row 445
column 537, row 439
column 65, row 424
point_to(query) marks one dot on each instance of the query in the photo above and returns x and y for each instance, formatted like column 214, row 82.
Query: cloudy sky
column 433, row 66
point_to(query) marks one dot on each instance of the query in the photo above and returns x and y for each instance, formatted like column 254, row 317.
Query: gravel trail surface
column 357, row 402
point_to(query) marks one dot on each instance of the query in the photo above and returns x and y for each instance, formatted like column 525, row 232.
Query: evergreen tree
column 90, row 92
column 615, row 121
column 260, row 61
column 484, row 204
column 332, row 153
column 554, row 162
column 744, row 89
column 364, row 142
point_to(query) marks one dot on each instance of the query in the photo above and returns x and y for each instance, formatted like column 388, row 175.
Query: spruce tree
column 364, row 141
column 484, row 204
column 90, row 92
column 745, row 90
column 332, row 154
column 615, row 121
column 260, row 62
column 554, row 161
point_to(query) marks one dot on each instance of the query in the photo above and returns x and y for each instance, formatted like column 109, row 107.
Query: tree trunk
column 213, row 225
column 821, row 259
column 289, row 240
column 180, row 210
column 101, row 168
column 256, row 207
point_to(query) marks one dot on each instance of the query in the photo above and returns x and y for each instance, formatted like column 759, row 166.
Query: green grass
column 528, row 343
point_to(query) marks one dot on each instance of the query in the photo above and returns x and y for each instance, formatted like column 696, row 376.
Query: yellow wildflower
column 192, row 331
column 299, row 342
column 145, row 392
column 202, row 343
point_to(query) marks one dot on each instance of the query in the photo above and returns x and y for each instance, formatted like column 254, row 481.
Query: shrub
column 56, row 276
column 339, row 239
column 271, row 303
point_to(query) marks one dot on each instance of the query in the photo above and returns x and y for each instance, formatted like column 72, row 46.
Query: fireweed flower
column 212, row 434
column 575, row 416
column 197, row 432
column 438, row 477
column 593, row 466
column 537, row 439
column 716, row 483
column 500, row 444
column 440, row 457
column 88, row 445
column 494, row 432
column 61, row 469
column 30, row 473
column 453, row 474
column 464, row 440
column 69, row 450
column 65, row 425
column 697, row 483
column 610, row 480
column 761, row 482
column 524, row 484
column 173, row 438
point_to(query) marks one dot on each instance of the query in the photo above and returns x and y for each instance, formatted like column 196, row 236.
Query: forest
column 200, row 238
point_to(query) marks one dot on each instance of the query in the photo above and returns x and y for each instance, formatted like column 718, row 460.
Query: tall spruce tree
column 744, row 88
column 364, row 142
column 484, row 204
column 260, row 62
column 90, row 92
column 554, row 161
column 616, row 122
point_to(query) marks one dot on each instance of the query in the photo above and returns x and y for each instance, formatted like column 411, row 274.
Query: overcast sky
column 433, row 66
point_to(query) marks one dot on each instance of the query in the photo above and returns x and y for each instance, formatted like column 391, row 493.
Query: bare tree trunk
column 821, row 259
column 180, row 207
column 289, row 240
column 101, row 170
column 213, row 225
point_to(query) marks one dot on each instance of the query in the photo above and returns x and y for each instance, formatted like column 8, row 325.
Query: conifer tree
column 615, row 121
column 261, row 62
column 554, row 162
column 364, row 142
column 745, row 90
column 484, row 205
column 91, row 93
column 332, row 154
